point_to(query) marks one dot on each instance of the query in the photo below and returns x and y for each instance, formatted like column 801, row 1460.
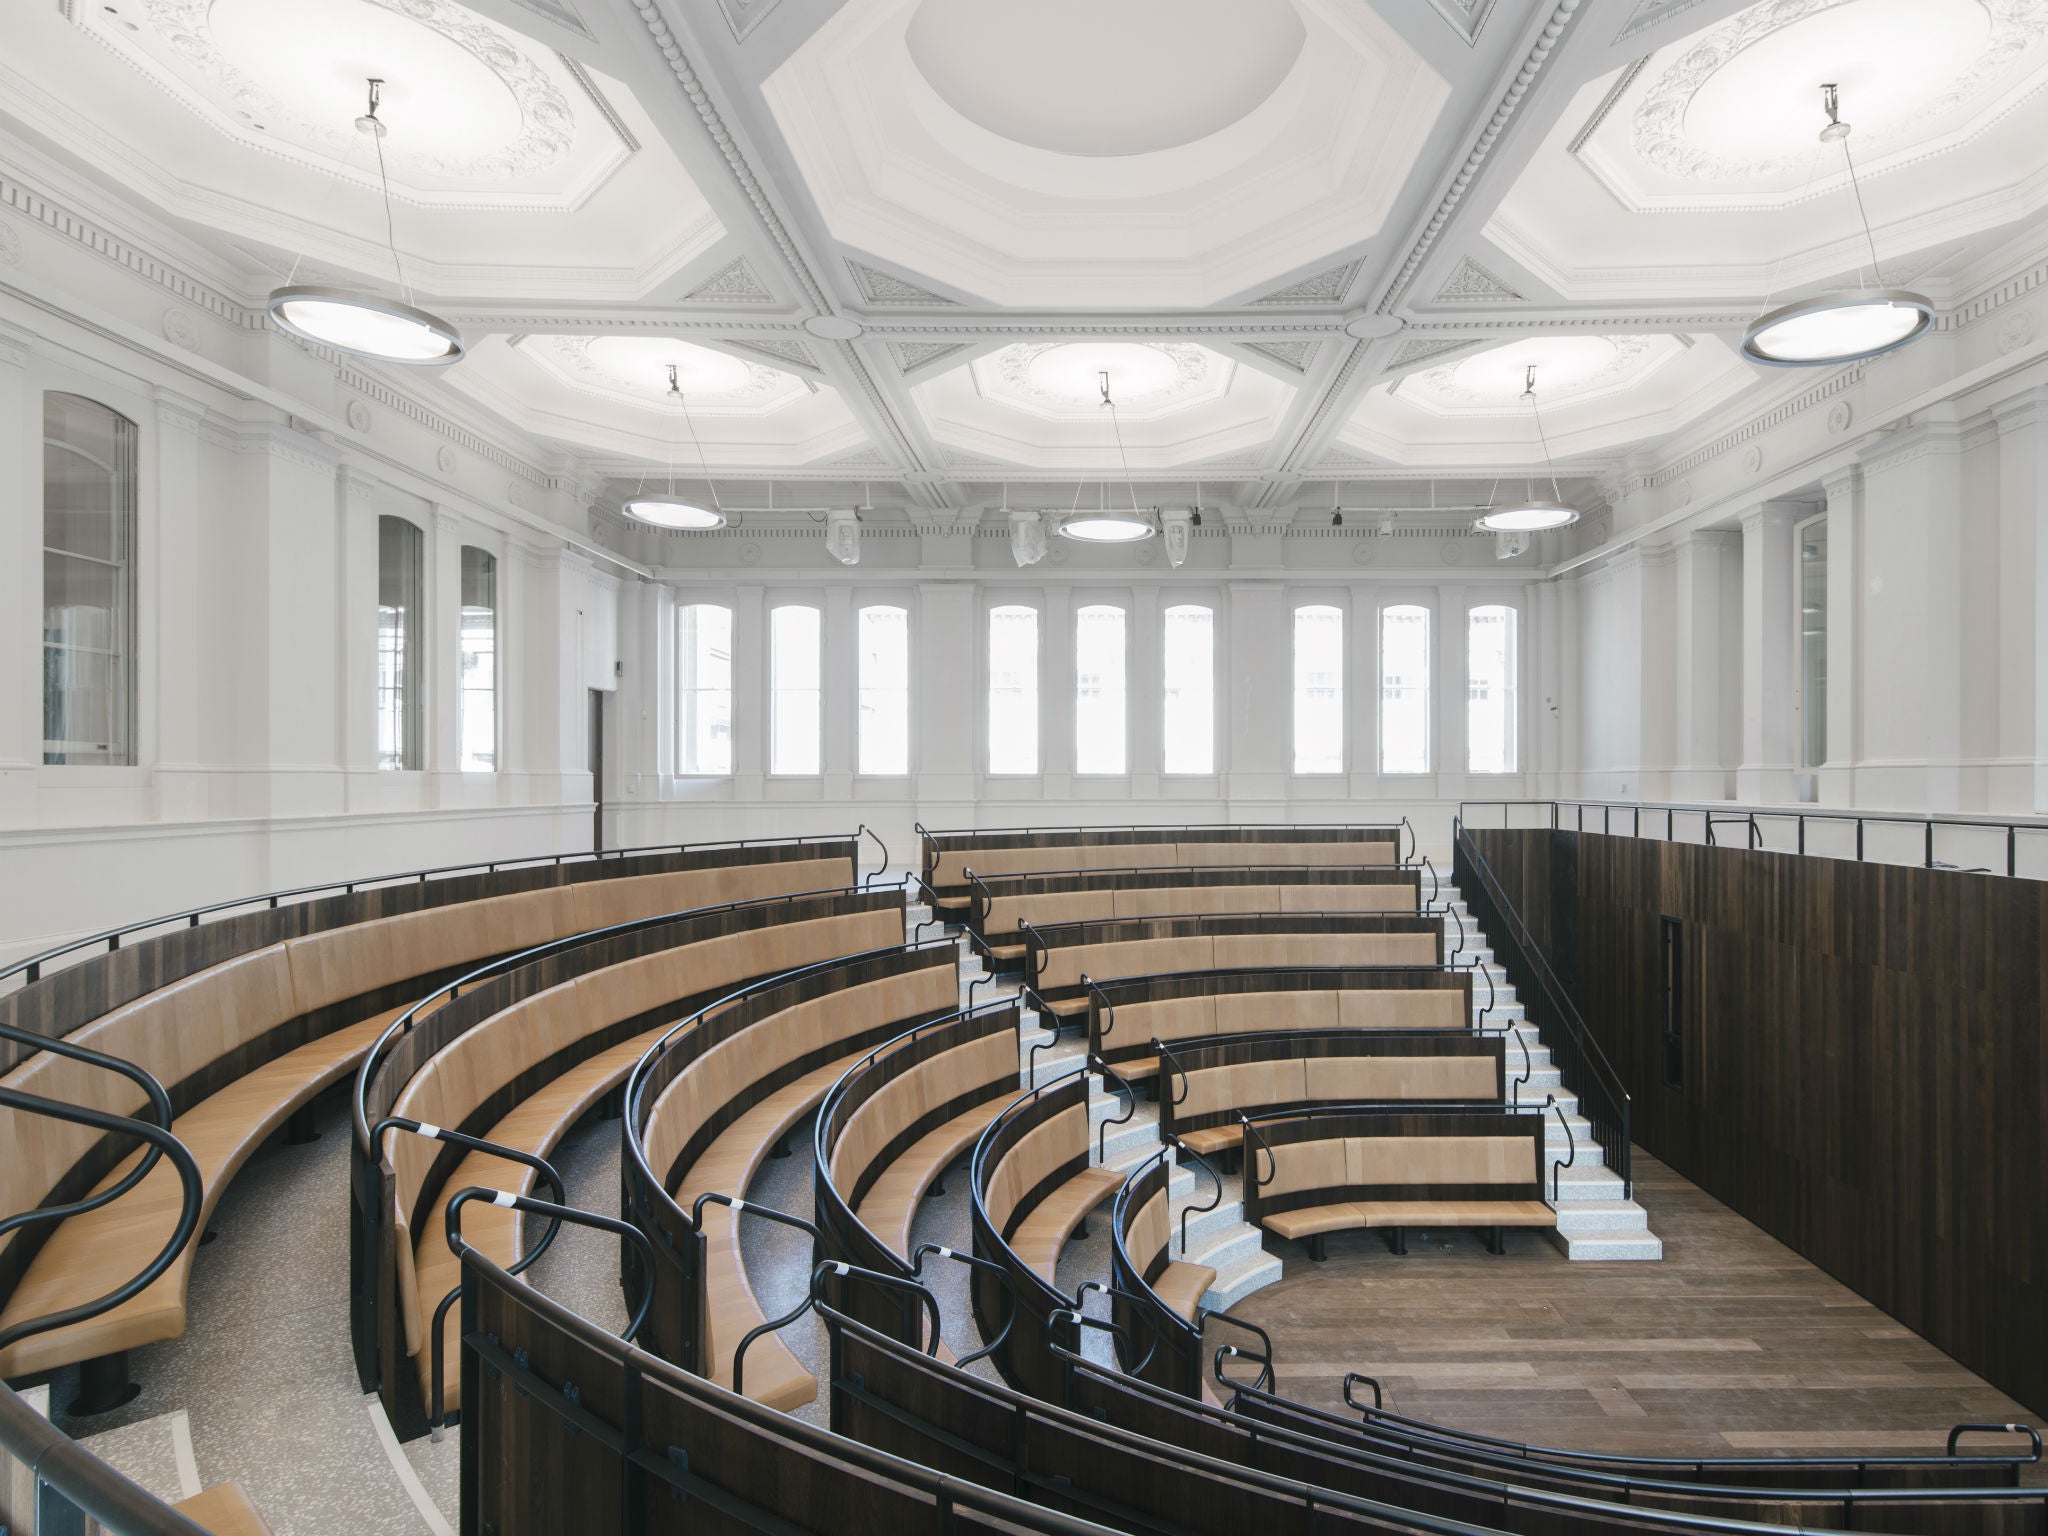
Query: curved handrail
column 192, row 1197
column 1002, row 1276
column 1378, row 1396
column 982, row 900
column 864, row 830
column 1097, row 1064
column 1414, row 842
column 1233, row 1352
column 556, row 1215
column 159, row 1102
column 30, row 969
column 1267, row 1381
column 80, row 1480
column 1192, row 1209
column 1436, row 885
column 845, row 1271
column 1558, row 1165
column 1113, row 1291
column 2028, row 1430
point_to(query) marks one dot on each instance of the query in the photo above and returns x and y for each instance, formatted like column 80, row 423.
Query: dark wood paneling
column 1864, row 1071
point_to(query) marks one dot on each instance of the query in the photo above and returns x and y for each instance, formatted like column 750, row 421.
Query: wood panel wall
column 1864, row 1069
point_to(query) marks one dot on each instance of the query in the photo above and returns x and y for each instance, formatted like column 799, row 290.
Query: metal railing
column 1546, row 1003
column 1673, row 821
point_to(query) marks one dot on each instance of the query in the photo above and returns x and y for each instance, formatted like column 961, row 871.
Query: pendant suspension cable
column 1130, row 485
column 1529, row 394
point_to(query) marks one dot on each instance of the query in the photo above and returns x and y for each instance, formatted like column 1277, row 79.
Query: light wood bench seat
column 1182, row 1285
column 773, row 1374
column 96, row 1252
column 225, row 1510
column 889, row 1209
column 537, row 1126
column 1042, row 1234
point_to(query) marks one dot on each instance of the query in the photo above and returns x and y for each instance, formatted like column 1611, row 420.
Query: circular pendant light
column 1830, row 329
column 1528, row 514
column 364, row 325
column 367, row 324
column 661, row 511
column 664, row 508
column 1532, row 513
column 1105, row 525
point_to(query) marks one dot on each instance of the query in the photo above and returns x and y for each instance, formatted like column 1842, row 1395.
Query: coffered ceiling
column 901, row 242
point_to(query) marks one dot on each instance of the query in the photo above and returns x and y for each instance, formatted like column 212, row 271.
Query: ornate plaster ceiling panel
column 1304, row 131
column 476, row 114
column 634, row 370
column 1731, row 116
column 1696, row 172
column 1597, row 394
column 238, row 117
column 609, row 394
column 1039, row 405
column 1060, row 381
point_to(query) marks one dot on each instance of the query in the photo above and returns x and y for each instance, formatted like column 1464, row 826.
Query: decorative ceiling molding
column 1466, row 17
column 860, row 458
column 1503, row 113
column 1339, row 389
column 1324, row 288
column 1421, row 348
column 881, row 288
column 1296, row 355
column 1651, row 13
column 733, row 283
column 602, row 102
column 1614, row 94
column 794, row 353
column 1471, row 283
column 559, row 11
column 736, row 164
column 1756, row 426
column 744, row 15
column 912, row 355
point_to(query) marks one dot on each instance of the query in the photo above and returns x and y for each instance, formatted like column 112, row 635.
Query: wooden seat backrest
column 965, row 1071
column 1038, row 1152
column 1403, row 1008
column 1267, row 951
column 1396, row 1161
column 1065, row 964
column 1251, row 1085
column 1149, row 1232
column 1169, row 1019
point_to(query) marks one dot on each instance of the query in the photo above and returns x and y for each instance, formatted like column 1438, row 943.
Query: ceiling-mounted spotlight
column 665, row 509
column 1845, row 327
column 1532, row 513
column 1105, row 525
column 368, row 324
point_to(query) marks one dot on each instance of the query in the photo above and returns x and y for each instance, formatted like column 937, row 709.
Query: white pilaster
column 1770, row 614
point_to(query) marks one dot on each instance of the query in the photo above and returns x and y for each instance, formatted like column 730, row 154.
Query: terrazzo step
column 1584, row 1181
column 1250, row 1273
column 1640, row 1247
column 1126, row 1146
column 1224, row 1250
column 1585, row 1218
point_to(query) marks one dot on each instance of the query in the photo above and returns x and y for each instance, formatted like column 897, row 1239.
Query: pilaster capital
column 447, row 519
column 176, row 411
column 16, row 345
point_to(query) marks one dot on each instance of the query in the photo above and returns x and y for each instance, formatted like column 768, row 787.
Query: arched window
column 1318, row 689
column 884, row 690
column 1013, row 690
column 1099, row 713
column 1490, row 714
column 793, row 663
column 704, row 689
column 1404, row 689
column 477, row 700
column 401, row 636
column 89, row 514
column 1189, row 664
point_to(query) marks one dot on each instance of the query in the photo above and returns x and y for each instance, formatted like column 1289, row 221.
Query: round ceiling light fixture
column 367, row 324
column 1830, row 329
column 1532, row 513
column 1108, row 525
column 667, row 509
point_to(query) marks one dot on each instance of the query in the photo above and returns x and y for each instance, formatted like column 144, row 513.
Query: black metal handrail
column 31, row 968
column 70, row 1472
column 864, row 830
column 1214, row 826
column 988, row 1266
column 1130, row 1093
column 1582, row 1066
column 1716, row 812
column 556, row 1215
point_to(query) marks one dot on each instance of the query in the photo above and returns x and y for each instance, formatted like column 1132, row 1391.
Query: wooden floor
column 1732, row 1345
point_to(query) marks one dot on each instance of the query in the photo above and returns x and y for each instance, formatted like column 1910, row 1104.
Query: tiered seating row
column 888, row 1131
column 703, row 1109
column 243, row 1043
column 519, row 1058
column 1310, row 1174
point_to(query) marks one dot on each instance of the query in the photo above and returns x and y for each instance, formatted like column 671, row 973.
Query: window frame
column 1123, row 608
column 462, row 692
column 1036, row 604
column 138, row 621
column 683, row 602
column 775, row 689
column 1800, row 691
column 1218, row 704
column 1340, row 603
column 1387, row 603
column 412, row 702
column 902, row 603
column 1514, row 733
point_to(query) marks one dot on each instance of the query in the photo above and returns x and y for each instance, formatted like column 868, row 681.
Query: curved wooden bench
column 721, row 1090
column 1059, row 955
column 1310, row 1175
column 477, row 1083
column 1209, row 1085
column 1126, row 1017
column 226, row 1510
column 1001, row 905
column 241, row 1045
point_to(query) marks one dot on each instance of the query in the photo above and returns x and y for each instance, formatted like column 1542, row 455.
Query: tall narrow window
column 1404, row 689
column 1189, row 654
column 884, row 690
column 1099, row 716
column 477, row 720
column 1318, row 690
column 1013, row 690
column 1490, row 714
column 401, row 636
column 704, row 689
column 793, row 662
column 1813, row 641
column 88, row 583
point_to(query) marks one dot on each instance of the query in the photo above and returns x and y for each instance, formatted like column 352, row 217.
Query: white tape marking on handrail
column 431, row 1132
column 504, row 1197
column 945, row 1253
column 739, row 1205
